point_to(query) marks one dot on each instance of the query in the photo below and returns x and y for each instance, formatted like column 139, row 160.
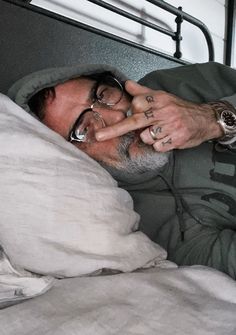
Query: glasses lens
column 109, row 91
column 85, row 127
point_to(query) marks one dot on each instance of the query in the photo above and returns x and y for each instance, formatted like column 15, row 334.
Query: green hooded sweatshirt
column 189, row 206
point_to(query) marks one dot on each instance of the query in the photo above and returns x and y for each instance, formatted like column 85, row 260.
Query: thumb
column 134, row 88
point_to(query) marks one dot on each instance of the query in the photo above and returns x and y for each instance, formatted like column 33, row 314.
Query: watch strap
column 219, row 107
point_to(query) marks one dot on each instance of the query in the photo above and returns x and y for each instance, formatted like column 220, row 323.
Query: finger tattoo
column 148, row 113
column 169, row 141
column 149, row 99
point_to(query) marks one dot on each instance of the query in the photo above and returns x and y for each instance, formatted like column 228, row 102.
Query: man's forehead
column 79, row 88
column 26, row 87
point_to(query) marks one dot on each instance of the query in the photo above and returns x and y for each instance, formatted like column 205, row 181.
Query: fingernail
column 99, row 136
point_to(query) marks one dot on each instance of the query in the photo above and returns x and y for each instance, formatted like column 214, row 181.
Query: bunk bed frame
column 23, row 50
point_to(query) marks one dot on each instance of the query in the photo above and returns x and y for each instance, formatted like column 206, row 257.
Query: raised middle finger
column 143, row 114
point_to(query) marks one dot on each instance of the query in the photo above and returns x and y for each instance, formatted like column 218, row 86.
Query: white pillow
column 62, row 214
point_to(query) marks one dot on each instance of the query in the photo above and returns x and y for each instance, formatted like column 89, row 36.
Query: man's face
column 126, row 153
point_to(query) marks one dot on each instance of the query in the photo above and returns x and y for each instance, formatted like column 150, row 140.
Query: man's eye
column 103, row 94
column 81, row 133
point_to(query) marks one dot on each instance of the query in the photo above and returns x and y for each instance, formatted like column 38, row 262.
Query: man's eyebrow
column 93, row 90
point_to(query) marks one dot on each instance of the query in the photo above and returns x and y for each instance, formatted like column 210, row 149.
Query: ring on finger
column 154, row 131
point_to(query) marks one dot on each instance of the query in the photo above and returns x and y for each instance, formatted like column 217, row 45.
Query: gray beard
column 147, row 160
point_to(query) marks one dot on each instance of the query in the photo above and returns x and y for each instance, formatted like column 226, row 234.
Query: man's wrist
column 225, row 115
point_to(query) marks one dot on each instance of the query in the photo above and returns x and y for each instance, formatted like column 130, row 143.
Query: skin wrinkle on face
column 126, row 153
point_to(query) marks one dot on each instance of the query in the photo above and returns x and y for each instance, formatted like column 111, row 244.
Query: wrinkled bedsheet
column 170, row 300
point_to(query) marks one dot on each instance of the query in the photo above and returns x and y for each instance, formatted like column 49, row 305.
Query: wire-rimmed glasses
column 108, row 91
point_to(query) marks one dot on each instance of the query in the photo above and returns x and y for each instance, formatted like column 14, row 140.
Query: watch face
column 229, row 118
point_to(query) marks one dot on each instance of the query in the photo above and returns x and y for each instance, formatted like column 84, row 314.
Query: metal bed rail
column 230, row 33
column 180, row 17
column 176, row 36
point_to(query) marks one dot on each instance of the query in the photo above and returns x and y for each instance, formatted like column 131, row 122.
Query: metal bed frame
column 230, row 33
column 176, row 36
column 34, row 38
column 180, row 17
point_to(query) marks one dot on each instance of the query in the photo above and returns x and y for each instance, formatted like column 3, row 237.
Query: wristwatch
column 225, row 114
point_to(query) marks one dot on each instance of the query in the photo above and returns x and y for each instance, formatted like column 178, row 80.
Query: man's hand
column 168, row 122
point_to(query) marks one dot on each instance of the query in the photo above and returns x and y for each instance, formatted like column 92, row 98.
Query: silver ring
column 154, row 130
column 152, row 133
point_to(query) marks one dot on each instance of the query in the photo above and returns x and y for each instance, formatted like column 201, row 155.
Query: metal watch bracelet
column 220, row 108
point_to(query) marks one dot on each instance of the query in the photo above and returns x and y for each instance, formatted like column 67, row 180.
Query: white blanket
column 163, row 301
column 17, row 285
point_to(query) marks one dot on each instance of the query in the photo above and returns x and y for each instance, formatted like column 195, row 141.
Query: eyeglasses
column 108, row 91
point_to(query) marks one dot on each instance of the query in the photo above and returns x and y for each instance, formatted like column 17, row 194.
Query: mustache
column 125, row 142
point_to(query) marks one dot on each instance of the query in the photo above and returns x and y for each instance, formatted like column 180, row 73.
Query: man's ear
column 49, row 96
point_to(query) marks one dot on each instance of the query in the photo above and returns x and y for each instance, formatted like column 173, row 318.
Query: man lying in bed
column 186, row 198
